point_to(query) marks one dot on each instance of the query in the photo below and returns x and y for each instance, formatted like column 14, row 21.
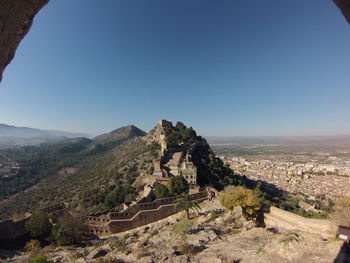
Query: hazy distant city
column 312, row 166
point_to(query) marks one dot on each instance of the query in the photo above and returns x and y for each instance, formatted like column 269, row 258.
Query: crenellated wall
column 10, row 229
column 136, row 215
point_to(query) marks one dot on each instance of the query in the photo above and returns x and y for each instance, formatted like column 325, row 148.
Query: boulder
column 237, row 212
column 202, row 237
column 99, row 252
column 147, row 259
column 247, row 225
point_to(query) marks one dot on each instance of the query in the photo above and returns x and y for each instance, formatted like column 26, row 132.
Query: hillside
column 98, row 174
column 120, row 134
column 211, row 236
column 51, row 173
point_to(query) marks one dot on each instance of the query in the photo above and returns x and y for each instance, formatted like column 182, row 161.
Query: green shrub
column 161, row 191
column 68, row 231
column 38, row 225
column 178, row 185
column 32, row 245
column 183, row 227
column 119, row 195
column 39, row 259
column 213, row 213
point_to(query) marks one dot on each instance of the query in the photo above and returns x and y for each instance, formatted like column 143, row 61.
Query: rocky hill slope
column 184, row 153
column 102, row 173
column 69, row 170
column 209, row 237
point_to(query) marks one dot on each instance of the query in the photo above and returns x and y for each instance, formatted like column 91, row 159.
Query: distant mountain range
column 12, row 136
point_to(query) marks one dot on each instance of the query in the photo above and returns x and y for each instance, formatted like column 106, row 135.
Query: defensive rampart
column 136, row 215
column 282, row 219
column 10, row 229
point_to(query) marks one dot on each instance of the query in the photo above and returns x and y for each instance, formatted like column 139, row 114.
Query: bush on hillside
column 179, row 134
column 32, row 245
column 38, row 225
column 69, row 230
column 119, row 195
column 161, row 191
column 241, row 196
column 39, row 259
column 183, row 227
column 178, row 185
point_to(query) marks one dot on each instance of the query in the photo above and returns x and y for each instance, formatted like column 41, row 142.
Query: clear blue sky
column 224, row 67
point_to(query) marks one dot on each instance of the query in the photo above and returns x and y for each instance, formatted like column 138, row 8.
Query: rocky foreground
column 209, row 237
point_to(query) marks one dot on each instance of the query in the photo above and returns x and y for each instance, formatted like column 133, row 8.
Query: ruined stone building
column 173, row 161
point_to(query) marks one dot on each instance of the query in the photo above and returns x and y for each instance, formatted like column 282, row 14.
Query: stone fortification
column 136, row 215
column 173, row 161
column 10, row 229
column 282, row 219
column 158, row 134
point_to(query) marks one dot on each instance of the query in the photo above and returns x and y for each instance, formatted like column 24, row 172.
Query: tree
column 38, row 225
column 178, row 185
column 180, row 126
column 240, row 196
column 119, row 195
column 185, row 202
column 161, row 191
column 173, row 139
column 68, row 231
column 189, row 133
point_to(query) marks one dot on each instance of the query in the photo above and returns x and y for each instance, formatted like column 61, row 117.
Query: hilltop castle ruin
column 174, row 161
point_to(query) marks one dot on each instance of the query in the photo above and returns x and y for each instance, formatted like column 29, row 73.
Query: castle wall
column 11, row 230
column 135, row 216
column 282, row 219
column 103, row 225
column 54, row 208
column 133, row 210
column 142, row 218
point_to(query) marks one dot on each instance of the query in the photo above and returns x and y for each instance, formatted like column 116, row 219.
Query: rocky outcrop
column 344, row 6
column 158, row 134
column 185, row 153
column 16, row 18
column 204, row 239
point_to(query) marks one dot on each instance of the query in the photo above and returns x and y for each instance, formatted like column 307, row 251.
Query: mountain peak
column 128, row 131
